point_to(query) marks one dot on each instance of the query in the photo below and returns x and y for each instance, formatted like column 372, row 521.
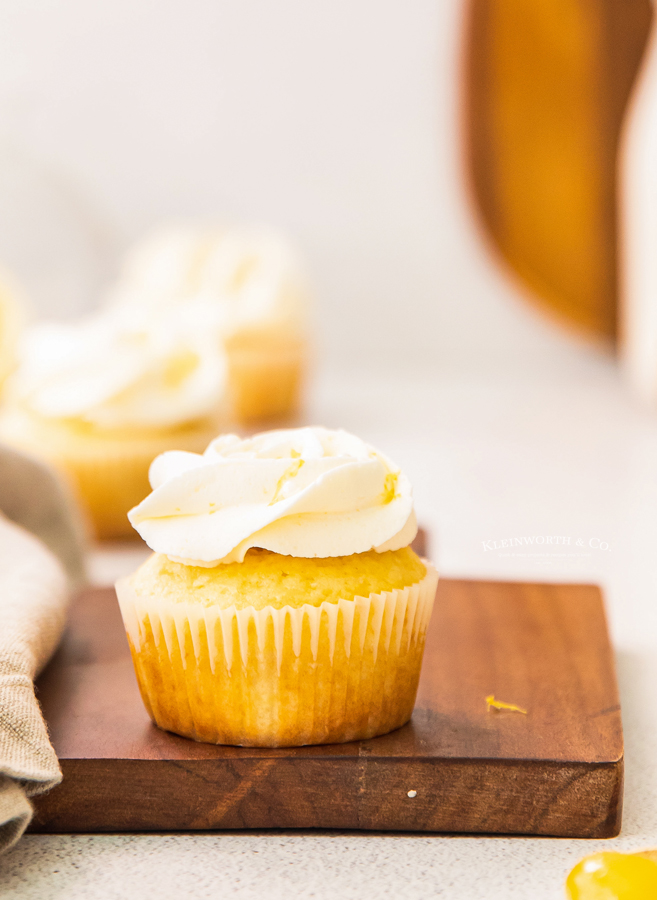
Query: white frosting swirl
column 308, row 492
column 119, row 368
column 251, row 276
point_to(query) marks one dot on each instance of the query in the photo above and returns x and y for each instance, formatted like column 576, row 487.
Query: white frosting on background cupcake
column 251, row 275
column 124, row 368
column 308, row 492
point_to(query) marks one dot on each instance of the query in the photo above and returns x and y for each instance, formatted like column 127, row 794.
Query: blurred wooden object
column 547, row 82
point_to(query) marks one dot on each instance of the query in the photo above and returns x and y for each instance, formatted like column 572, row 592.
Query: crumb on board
column 411, row 794
column 492, row 703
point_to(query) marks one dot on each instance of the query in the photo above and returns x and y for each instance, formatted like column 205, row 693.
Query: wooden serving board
column 556, row 771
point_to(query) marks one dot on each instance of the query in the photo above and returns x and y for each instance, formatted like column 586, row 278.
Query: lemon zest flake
column 492, row 703
column 287, row 475
column 390, row 487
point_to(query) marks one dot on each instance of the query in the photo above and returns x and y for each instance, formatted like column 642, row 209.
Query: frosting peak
column 309, row 492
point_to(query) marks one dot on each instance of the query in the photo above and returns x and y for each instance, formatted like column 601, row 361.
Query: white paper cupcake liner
column 254, row 654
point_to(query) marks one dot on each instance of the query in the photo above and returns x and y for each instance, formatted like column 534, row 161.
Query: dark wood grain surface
column 556, row 771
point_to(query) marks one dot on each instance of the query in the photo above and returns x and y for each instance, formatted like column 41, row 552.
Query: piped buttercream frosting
column 309, row 492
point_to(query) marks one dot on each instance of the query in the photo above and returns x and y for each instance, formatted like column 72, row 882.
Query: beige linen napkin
column 33, row 496
column 34, row 591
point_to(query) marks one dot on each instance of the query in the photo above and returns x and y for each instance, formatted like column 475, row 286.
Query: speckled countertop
column 559, row 451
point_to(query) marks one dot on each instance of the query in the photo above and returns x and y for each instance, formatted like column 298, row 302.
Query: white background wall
column 334, row 119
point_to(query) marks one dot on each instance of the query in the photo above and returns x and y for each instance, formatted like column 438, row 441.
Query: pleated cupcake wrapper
column 264, row 385
column 400, row 615
column 108, row 487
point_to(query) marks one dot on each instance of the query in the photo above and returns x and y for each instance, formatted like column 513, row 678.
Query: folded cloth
column 33, row 600
column 33, row 496
column 34, row 592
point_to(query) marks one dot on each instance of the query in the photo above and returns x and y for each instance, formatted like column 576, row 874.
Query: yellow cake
column 265, row 579
column 252, row 646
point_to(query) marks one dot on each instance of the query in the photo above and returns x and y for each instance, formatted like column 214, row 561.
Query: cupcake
column 283, row 604
column 254, row 282
column 101, row 398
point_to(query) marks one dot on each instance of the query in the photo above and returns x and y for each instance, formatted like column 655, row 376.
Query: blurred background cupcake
column 252, row 281
column 202, row 328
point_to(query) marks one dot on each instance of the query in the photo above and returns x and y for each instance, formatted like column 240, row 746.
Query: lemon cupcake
column 254, row 282
column 101, row 398
column 283, row 605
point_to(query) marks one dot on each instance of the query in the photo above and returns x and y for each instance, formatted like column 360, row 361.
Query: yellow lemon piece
column 613, row 876
column 492, row 703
